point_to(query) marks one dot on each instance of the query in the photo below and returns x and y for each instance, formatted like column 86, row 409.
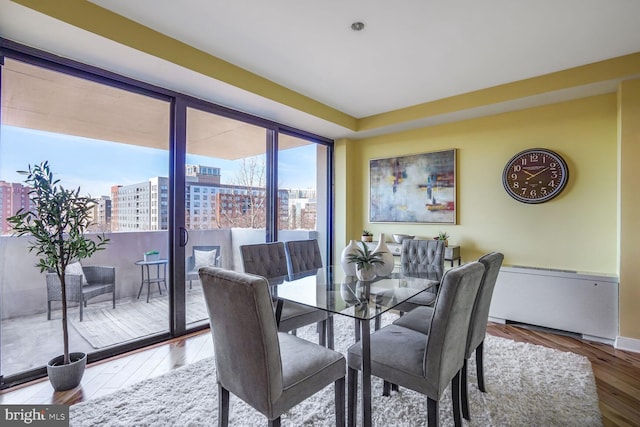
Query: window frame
column 176, row 200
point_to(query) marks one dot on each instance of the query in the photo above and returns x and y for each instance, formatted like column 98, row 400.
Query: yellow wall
column 553, row 234
column 629, row 196
column 592, row 226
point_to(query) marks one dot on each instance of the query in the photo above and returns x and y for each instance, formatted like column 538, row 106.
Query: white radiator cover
column 583, row 303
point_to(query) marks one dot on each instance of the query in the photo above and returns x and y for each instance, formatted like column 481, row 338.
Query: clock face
column 535, row 175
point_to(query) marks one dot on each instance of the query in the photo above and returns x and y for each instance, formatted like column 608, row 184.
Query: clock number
column 543, row 191
column 553, row 165
column 515, row 176
column 517, row 168
column 516, row 185
column 523, row 161
column 554, row 174
column 524, row 190
column 552, row 183
column 533, row 193
column 533, row 157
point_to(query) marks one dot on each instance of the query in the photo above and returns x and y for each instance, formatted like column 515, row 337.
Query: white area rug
column 527, row 385
column 131, row 320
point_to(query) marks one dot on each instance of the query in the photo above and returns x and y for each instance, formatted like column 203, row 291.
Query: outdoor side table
column 148, row 280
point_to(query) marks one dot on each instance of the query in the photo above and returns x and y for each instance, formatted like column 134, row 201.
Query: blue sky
column 96, row 165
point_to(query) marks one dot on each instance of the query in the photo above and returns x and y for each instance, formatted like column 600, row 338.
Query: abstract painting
column 414, row 188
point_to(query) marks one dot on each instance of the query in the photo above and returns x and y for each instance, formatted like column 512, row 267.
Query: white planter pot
column 387, row 265
column 348, row 267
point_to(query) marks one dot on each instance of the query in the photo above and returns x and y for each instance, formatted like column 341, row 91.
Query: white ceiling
column 410, row 51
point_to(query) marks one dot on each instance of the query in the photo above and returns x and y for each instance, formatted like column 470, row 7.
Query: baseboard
column 554, row 331
column 598, row 339
column 497, row 320
column 628, row 344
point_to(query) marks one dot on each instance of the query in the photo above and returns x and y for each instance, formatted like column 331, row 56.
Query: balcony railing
column 29, row 340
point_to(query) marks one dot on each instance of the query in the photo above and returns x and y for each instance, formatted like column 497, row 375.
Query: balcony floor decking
column 31, row 341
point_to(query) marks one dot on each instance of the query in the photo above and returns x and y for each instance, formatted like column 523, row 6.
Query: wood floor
column 617, row 372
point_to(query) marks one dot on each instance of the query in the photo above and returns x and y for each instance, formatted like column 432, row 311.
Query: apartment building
column 13, row 197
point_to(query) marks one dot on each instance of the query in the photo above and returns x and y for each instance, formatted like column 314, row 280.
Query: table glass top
column 330, row 290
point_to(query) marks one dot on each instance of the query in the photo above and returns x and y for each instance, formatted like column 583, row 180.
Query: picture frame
column 416, row 188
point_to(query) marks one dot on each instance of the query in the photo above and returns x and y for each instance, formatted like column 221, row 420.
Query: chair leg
column 223, row 406
column 330, row 339
column 322, row 333
column 480, row 368
column 274, row 423
column 386, row 388
column 114, row 298
column 357, row 329
column 432, row 412
column 455, row 399
column 339, row 398
column 48, row 310
column 464, row 391
column 352, row 396
column 81, row 305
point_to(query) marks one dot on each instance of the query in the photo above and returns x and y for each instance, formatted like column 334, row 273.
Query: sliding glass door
column 113, row 144
column 225, row 197
column 178, row 183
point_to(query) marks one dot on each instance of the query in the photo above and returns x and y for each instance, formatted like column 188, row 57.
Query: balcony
column 28, row 340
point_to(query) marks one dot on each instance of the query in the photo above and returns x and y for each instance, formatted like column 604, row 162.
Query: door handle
column 184, row 236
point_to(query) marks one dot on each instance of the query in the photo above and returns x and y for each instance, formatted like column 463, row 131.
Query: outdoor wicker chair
column 97, row 280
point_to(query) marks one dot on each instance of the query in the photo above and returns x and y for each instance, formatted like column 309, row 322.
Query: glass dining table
column 330, row 290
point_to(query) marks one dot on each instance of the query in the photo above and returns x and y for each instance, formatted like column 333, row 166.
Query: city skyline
column 134, row 163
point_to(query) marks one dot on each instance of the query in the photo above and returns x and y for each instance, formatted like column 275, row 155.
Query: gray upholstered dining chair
column 425, row 363
column 304, row 259
column 422, row 257
column 270, row 261
column 420, row 320
column 302, row 256
column 270, row 370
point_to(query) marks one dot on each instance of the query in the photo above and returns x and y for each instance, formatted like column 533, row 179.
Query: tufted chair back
column 303, row 255
column 422, row 256
column 264, row 259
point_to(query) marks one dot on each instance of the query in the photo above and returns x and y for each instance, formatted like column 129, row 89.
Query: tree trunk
column 65, row 332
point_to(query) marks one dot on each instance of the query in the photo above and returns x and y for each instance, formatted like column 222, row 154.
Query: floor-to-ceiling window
column 113, row 145
column 239, row 179
column 303, row 172
column 225, row 196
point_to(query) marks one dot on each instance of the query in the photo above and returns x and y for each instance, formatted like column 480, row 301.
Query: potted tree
column 367, row 236
column 56, row 222
column 365, row 261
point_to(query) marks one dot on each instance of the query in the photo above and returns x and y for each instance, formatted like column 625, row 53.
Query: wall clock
column 535, row 175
